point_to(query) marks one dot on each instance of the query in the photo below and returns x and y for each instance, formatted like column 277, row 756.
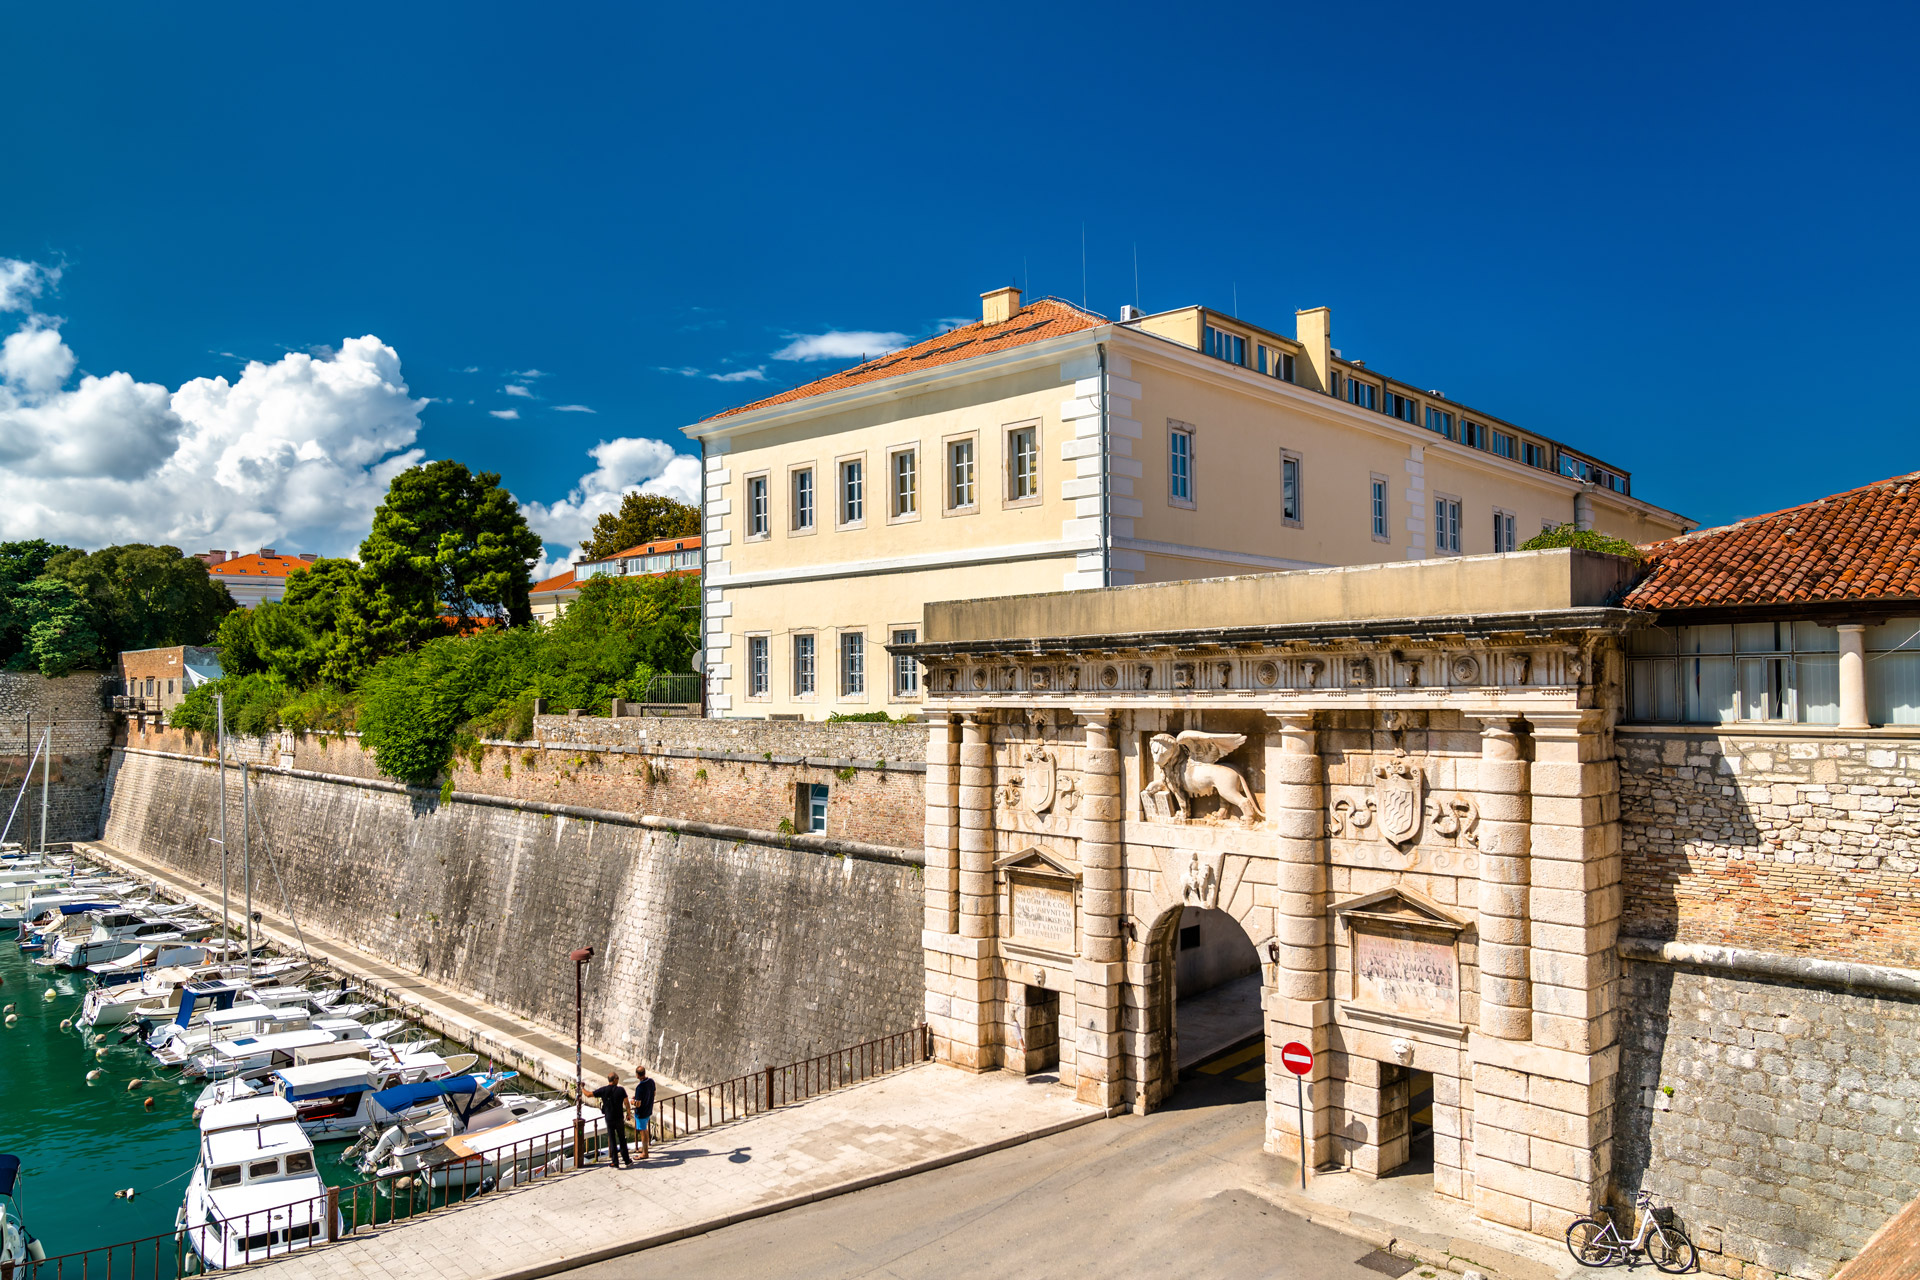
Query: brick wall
column 701, row 771
column 716, row 956
column 75, row 705
column 1789, row 1136
column 1797, row 842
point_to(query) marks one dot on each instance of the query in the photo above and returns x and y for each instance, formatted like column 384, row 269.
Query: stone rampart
column 716, row 956
column 728, row 772
column 75, row 706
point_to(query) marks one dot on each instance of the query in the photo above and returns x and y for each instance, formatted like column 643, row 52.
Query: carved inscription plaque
column 1407, row 971
column 1042, row 912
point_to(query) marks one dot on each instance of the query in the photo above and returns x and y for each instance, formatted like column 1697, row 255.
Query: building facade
column 551, row 596
column 257, row 577
column 1047, row 449
column 157, row 679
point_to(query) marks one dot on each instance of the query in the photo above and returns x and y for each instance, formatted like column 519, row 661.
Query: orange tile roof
column 259, row 564
column 1036, row 322
column 686, row 542
column 558, row 582
column 1860, row 545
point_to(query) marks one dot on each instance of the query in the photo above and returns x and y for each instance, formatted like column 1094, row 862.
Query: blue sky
column 1680, row 237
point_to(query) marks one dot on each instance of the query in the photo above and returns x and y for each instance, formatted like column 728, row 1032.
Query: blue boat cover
column 75, row 908
column 9, row 1170
column 402, row 1096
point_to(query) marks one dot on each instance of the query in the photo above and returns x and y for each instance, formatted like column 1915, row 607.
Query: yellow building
column 1047, row 448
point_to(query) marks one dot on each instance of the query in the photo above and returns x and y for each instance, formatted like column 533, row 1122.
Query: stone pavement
column 908, row 1122
column 505, row 1039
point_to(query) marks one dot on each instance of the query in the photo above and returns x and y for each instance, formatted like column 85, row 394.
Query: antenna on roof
column 1083, row 266
column 1136, row 275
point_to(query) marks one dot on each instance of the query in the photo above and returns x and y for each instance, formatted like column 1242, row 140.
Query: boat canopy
column 246, row 1113
column 323, row 1079
column 474, row 1089
column 9, row 1172
column 195, row 993
column 244, row 1047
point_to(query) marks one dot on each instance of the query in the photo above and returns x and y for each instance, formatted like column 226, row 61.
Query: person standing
column 616, row 1107
column 642, row 1109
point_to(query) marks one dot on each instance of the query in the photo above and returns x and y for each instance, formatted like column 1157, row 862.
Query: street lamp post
column 580, row 959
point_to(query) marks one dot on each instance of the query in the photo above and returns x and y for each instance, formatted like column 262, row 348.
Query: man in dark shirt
column 616, row 1106
column 642, row 1108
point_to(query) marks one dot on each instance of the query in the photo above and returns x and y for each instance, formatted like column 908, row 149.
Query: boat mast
column 220, row 733
column 246, row 857
column 46, row 780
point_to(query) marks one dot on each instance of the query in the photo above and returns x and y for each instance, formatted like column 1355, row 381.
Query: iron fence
column 343, row 1212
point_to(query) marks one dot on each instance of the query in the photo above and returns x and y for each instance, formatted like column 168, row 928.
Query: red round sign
column 1296, row 1058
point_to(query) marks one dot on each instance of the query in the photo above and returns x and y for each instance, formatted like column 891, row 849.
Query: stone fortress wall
column 76, row 706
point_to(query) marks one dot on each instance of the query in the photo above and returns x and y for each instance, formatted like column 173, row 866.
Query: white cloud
column 742, row 375
column 839, row 345
column 531, row 373
column 572, row 408
column 508, row 414
column 626, row 465
column 685, row 371
column 296, row 453
column 515, row 390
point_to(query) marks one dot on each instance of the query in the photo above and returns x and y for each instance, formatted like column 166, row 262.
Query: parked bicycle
column 1597, row 1243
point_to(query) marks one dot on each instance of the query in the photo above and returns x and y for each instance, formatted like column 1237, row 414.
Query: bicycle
column 1594, row 1243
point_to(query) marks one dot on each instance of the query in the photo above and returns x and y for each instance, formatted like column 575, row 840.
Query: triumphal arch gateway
column 1399, row 780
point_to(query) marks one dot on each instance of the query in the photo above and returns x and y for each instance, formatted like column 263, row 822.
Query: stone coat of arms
column 1039, row 779
column 1399, row 792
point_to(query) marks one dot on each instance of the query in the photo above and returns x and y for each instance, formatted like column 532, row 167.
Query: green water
column 80, row 1141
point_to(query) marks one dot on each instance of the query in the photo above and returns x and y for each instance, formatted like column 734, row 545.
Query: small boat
column 17, row 1244
column 474, row 1135
column 256, row 1192
column 192, row 1051
column 118, row 933
column 251, row 1053
column 335, row 1099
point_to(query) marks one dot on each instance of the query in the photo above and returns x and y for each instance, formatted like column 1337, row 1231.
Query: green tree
column 20, row 563
column 1566, row 535
column 143, row 597
column 446, row 542
column 59, row 634
column 643, row 517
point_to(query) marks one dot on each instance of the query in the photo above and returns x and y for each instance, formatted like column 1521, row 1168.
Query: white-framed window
column 853, row 664
column 759, row 666
column 906, row 670
column 963, row 483
column 1535, row 455
column 759, row 507
column 1439, row 421
column 903, row 484
column 1377, row 494
column 1222, row 345
column 1180, row 464
column 1501, row 443
column 1752, row 672
column 1503, row 522
column 1364, row 394
column 1446, row 525
column 1893, row 672
column 1473, row 434
column 853, row 491
column 803, row 500
column 1289, row 487
column 810, row 807
column 1405, row 408
column 1276, row 363
column 804, row 646
column 1023, row 463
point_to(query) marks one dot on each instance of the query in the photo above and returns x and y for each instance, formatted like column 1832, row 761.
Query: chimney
column 309, row 556
column 1313, row 330
column 268, row 551
column 998, row 305
column 214, row 557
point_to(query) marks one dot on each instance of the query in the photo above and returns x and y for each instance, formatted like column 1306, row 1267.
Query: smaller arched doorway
column 1201, row 1001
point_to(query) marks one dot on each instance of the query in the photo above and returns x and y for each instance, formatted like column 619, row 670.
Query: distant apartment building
column 551, row 596
column 1046, row 448
column 257, row 577
column 157, row 679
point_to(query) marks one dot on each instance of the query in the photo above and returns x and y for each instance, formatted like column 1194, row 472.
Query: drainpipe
column 1106, row 470
column 703, row 579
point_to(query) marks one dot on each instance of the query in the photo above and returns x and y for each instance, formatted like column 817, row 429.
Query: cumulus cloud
column 839, row 344
column 571, row 408
column 297, row 452
column 509, row 414
column 513, row 389
column 742, row 375
column 626, row 465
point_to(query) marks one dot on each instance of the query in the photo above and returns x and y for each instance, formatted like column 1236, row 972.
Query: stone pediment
column 1035, row 860
column 1400, row 907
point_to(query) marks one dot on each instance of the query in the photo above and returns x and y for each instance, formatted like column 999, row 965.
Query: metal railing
column 344, row 1212
column 673, row 686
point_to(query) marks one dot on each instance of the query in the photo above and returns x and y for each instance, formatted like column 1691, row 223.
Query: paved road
column 1159, row 1195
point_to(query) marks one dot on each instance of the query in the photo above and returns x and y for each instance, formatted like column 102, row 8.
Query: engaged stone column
column 1300, row 1006
column 978, row 909
column 1099, row 972
column 943, row 825
column 1506, row 996
column 964, row 991
column 1853, row 675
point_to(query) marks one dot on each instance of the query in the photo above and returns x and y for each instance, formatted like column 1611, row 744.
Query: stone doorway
column 1033, row 1034
column 1201, row 998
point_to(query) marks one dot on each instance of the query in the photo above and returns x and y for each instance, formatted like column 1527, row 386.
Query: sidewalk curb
column 1502, row 1265
column 643, row 1243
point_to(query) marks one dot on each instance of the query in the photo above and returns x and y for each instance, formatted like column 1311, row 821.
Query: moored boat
column 256, row 1192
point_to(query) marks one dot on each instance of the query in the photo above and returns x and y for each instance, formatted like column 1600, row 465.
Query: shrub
column 1565, row 535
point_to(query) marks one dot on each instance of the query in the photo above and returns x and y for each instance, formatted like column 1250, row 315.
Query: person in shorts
column 641, row 1109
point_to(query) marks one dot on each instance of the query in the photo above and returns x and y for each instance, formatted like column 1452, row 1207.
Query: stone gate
column 1399, row 780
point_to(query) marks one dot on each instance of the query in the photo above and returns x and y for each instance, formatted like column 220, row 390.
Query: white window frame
column 1297, row 518
column 905, row 683
column 1446, row 521
column 850, row 514
column 948, row 489
column 1186, row 431
column 809, row 511
column 759, row 511
column 1380, row 507
column 1009, row 496
column 897, row 512
column 850, row 662
column 1505, row 530
column 760, row 666
column 806, row 677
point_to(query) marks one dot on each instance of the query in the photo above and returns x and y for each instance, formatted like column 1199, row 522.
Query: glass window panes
column 853, row 492
column 1654, row 691
column 1222, row 345
column 1439, row 420
column 1503, row 531
column 1446, row 525
column 758, row 517
column 1402, row 407
column 803, row 647
column 1893, row 687
column 906, row 483
column 1816, row 687
column 1707, row 689
column 817, row 807
column 758, row 664
column 1811, row 637
column 1290, row 489
column 960, row 474
column 803, row 499
column 1762, row 637
column 1749, row 672
column 1364, row 394
column 1180, row 465
column 906, row 671
column 1900, row 633
column 1023, row 463
column 853, row 664
column 1379, row 508
column 1501, row 443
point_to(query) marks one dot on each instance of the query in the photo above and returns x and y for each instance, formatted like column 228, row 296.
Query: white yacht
column 335, row 1099
column 255, row 1192
column 17, row 1244
column 118, row 933
column 471, row 1136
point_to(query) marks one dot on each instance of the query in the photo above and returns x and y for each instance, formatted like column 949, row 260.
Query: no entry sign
column 1296, row 1058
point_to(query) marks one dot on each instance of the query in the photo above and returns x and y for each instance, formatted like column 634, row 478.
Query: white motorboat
column 256, row 1192
column 192, row 1050
column 245, row 1054
column 475, row 1136
column 17, row 1244
column 118, row 933
column 335, row 1099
